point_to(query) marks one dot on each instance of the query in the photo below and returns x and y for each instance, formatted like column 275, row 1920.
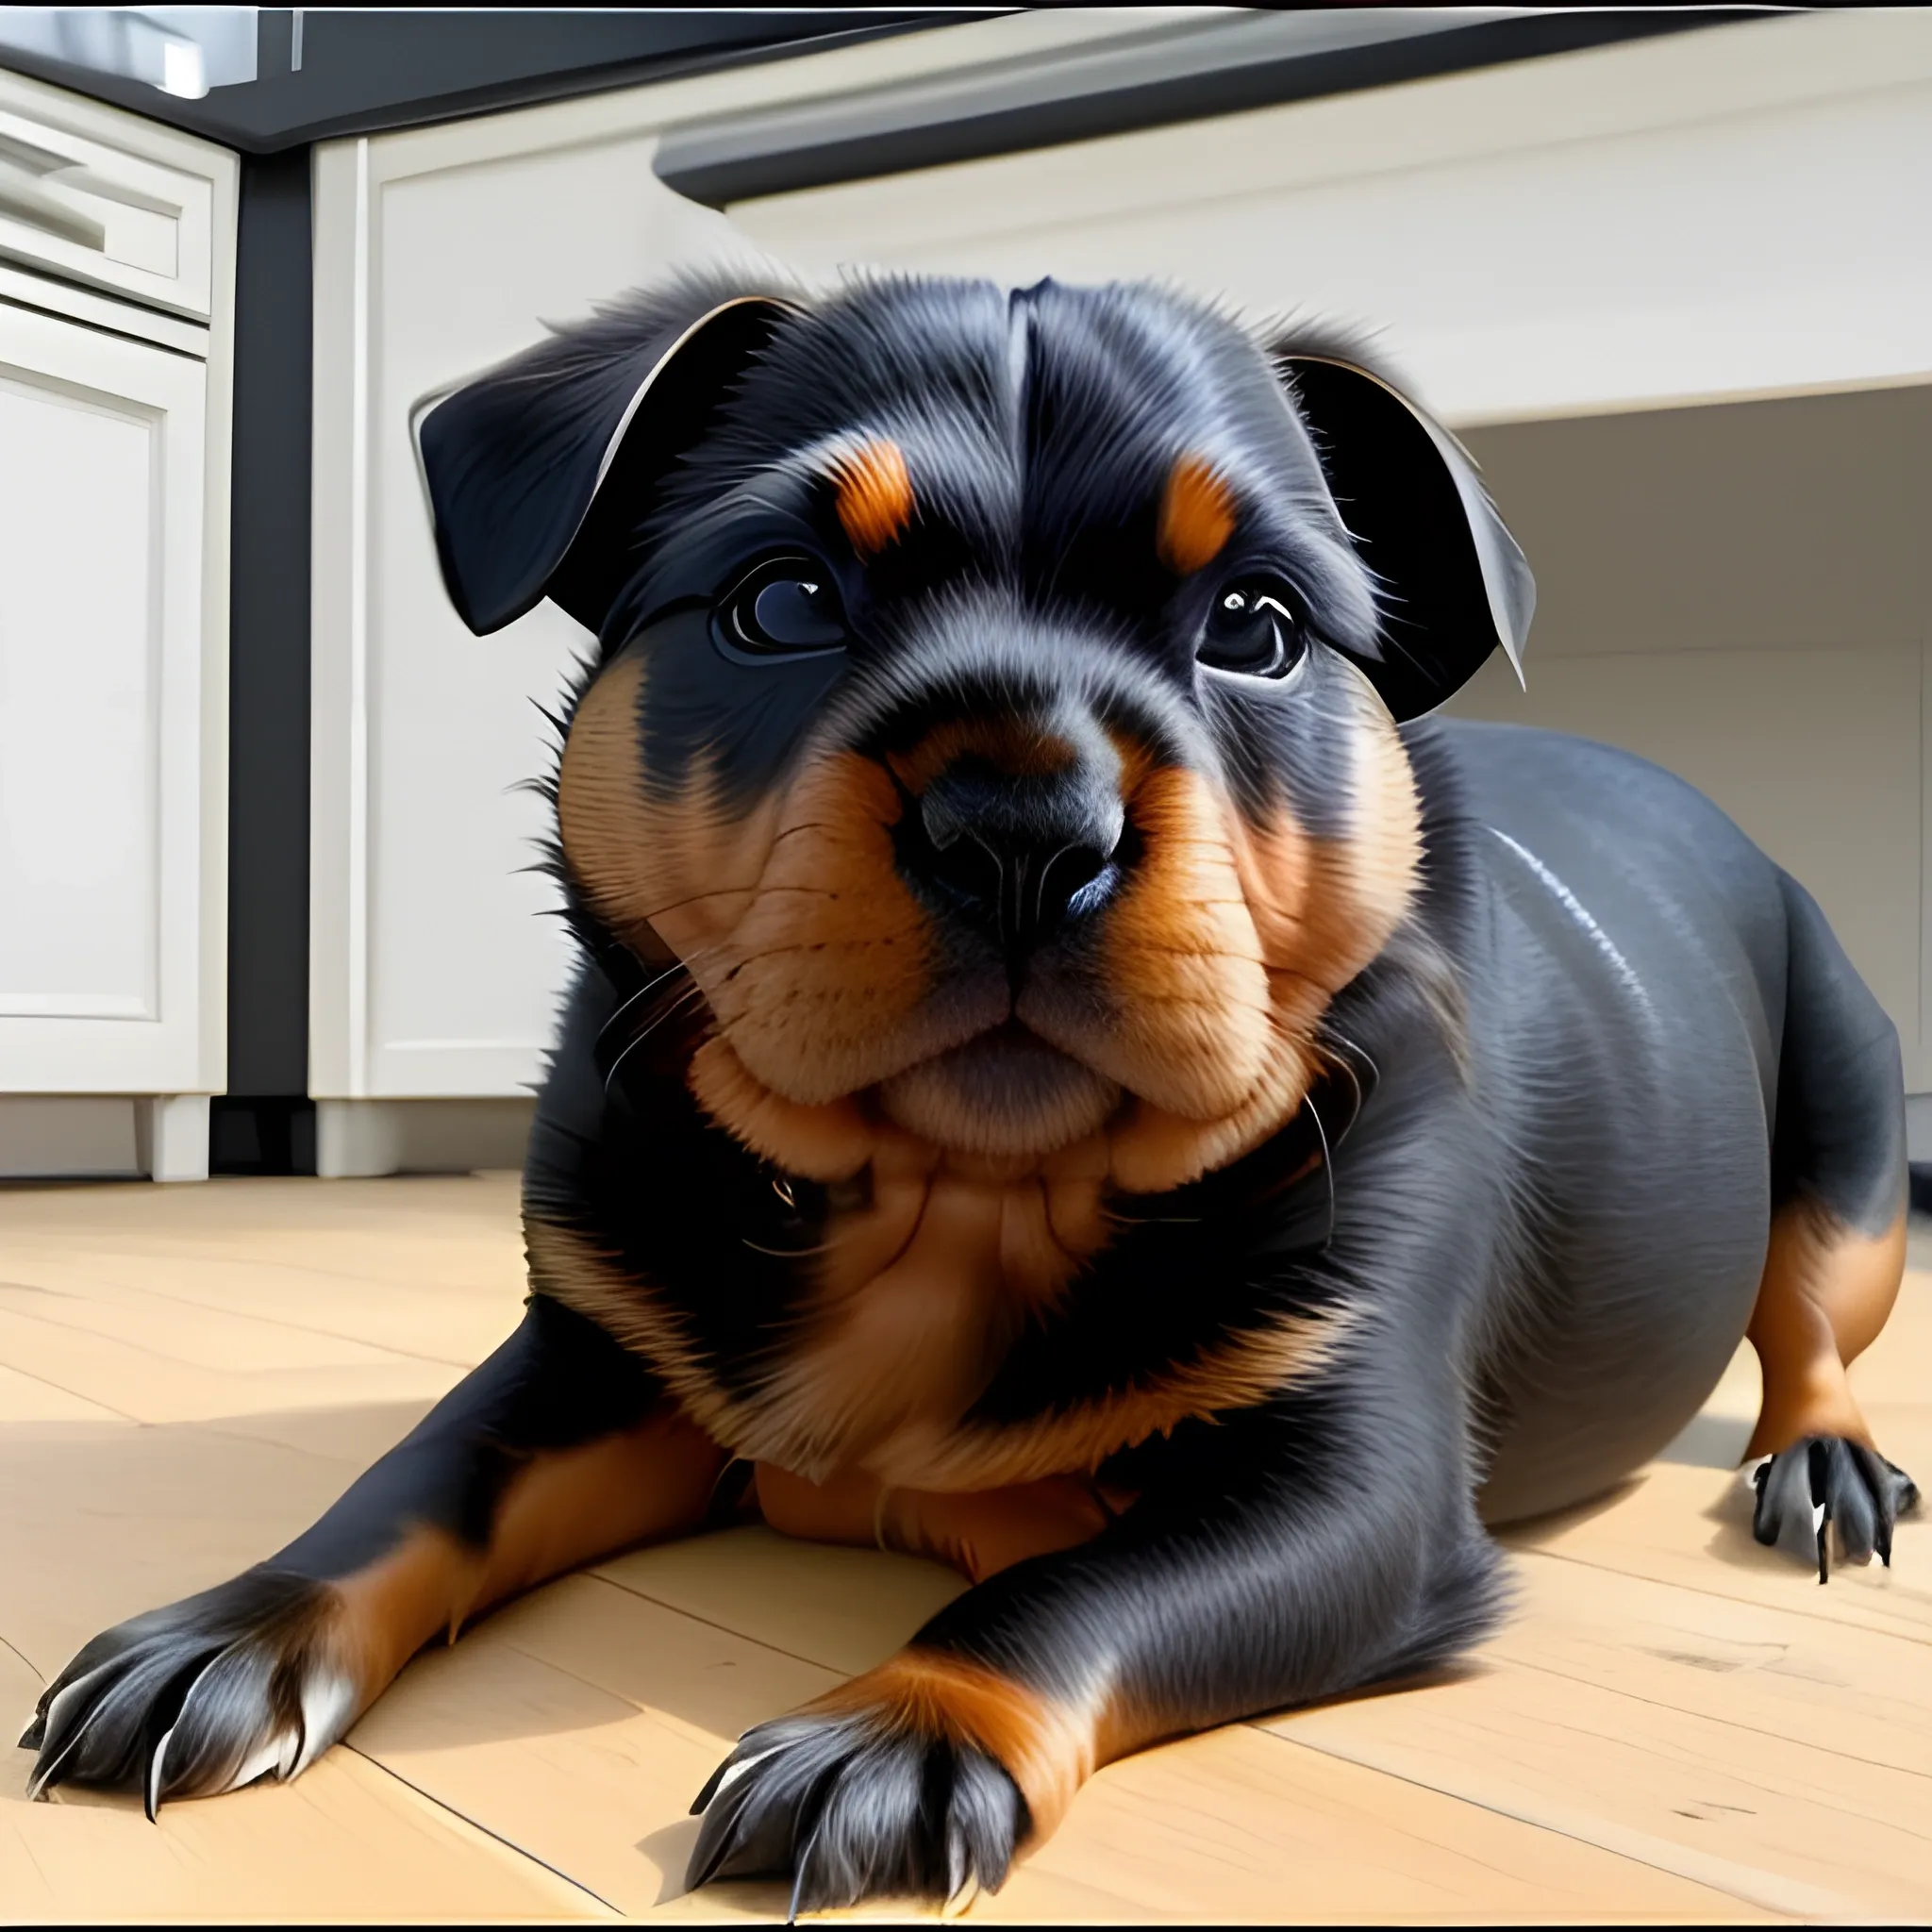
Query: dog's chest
column 920, row 1295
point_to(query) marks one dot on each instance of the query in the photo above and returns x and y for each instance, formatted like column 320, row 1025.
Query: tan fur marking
column 1825, row 1295
column 874, row 495
column 598, row 806
column 1184, row 968
column 568, row 1506
column 825, row 1406
column 560, row 1511
column 923, row 1292
column 977, row 1533
column 1320, row 911
column 831, row 1142
column 823, row 975
column 669, row 876
column 1247, row 1369
column 1196, row 515
column 568, row 1265
column 1048, row 1750
column 1012, row 745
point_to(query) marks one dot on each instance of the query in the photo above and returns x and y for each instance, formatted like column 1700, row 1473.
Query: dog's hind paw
column 1825, row 1486
column 205, row 1696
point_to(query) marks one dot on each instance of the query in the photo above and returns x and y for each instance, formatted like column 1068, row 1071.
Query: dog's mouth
column 1004, row 1092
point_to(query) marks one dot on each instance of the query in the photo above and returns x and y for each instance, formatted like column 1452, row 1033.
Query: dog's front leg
column 559, row 1449
column 1308, row 1551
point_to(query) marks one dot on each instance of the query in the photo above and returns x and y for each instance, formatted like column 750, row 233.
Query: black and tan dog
column 1069, row 1074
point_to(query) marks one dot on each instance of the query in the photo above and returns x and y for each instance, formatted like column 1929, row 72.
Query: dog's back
column 1676, row 1051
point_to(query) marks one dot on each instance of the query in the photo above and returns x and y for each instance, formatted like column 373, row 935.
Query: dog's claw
column 1827, row 1491
column 151, row 1794
column 847, row 1813
column 199, row 1697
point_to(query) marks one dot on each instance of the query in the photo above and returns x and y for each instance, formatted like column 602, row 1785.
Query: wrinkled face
column 979, row 736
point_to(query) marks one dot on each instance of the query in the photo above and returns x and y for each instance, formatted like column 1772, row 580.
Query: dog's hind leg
column 559, row 1449
column 1836, row 1256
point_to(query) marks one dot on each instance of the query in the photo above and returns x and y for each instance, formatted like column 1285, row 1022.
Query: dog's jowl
column 1071, row 1072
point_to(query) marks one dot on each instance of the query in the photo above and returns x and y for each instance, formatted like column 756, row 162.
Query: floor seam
column 1703, row 1716
column 21, row 1655
column 476, row 1824
column 711, row 1622
column 181, row 1362
column 48, row 1382
column 1722, row 1595
column 186, row 1301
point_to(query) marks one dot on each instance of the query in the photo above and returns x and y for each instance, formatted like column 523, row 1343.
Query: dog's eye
column 785, row 608
column 1252, row 629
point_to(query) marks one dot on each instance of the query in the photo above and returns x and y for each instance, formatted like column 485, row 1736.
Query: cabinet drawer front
column 96, row 213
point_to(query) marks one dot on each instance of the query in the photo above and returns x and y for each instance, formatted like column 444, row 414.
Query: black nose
column 1018, row 857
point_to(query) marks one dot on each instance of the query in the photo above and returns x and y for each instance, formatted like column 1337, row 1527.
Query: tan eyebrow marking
column 1196, row 515
column 875, row 503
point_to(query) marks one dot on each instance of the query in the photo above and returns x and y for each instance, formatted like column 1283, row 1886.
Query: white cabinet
column 1696, row 218
column 114, row 711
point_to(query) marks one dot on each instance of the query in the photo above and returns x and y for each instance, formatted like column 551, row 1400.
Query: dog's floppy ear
column 1452, row 584
column 540, row 470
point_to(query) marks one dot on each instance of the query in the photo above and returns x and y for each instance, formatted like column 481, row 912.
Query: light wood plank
column 25, row 1398
column 101, row 1521
column 1691, row 1528
column 348, row 1841
column 1778, row 1821
column 1834, row 1688
column 846, row 1610
column 454, row 1325
column 579, row 1723
column 155, row 1380
column 176, row 1331
column 269, row 1339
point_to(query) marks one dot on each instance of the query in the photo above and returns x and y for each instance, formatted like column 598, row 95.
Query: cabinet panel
column 102, row 787
column 78, row 658
column 435, row 973
column 1714, row 214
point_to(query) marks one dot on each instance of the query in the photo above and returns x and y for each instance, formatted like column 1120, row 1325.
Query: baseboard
column 375, row 1137
column 1918, row 1127
column 67, row 1137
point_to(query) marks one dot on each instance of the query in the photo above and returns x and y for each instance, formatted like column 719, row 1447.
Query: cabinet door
column 111, row 723
column 433, row 973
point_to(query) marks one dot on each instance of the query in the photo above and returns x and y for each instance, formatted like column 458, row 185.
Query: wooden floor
column 1675, row 1724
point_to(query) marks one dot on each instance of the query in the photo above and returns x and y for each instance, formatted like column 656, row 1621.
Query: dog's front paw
column 1827, row 1484
column 917, row 1780
column 200, row 1698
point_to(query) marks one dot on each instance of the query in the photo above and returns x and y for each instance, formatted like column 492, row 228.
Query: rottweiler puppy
column 1070, row 1071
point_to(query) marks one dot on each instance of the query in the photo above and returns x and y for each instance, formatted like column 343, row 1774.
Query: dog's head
column 997, row 698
